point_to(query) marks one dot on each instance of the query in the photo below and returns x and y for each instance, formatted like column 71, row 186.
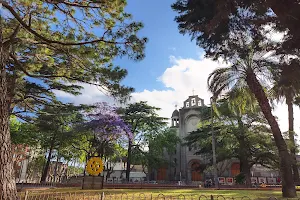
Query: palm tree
column 240, row 113
column 250, row 70
column 286, row 86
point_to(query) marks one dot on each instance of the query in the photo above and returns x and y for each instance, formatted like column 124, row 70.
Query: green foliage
column 162, row 144
column 51, row 131
column 142, row 118
column 242, row 32
column 58, row 46
column 238, row 135
column 23, row 133
column 56, row 126
column 240, row 178
column 86, row 145
column 74, row 171
column 83, row 142
column 145, row 124
column 233, row 80
column 167, row 140
column 48, row 54
column 216, row 24
column 102, row 134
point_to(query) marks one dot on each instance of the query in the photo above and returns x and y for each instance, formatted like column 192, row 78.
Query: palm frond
column 221, row 80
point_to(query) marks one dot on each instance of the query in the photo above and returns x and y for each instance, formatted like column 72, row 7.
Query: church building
column 184, row 165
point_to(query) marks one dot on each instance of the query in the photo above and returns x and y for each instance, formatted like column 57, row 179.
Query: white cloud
column 180, row 79
column 90, row 94
column 184, row 76
column 281, row 112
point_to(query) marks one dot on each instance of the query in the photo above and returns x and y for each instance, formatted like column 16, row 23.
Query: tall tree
column 222, row 28
column 8, row 188
column 286, row 86
column 102, row 134
column 161, row 147
column 217, row 18
column 41, row 53
column 108, row 127
column 55, row 125
column 242, row 135
column 143, row 121
column 243, row 73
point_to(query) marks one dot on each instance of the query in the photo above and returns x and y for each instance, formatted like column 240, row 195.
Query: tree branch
column 75, row 4
column 13, row 35
column 28, row 28
column 79, row 149
column 19, row 65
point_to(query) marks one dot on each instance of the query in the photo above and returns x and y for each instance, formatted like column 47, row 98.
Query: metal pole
column 214, row 146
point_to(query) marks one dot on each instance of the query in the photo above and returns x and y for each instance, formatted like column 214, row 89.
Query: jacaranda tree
column 102, row 133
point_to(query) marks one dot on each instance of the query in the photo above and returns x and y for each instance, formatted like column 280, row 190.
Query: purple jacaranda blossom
column 107, row 124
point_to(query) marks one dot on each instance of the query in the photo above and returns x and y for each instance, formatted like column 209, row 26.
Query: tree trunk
column 245, row 169
column 288, row 14
column 84, row 172
column 46, row 169
column 244, row 164
column 109, row 169
column 128, row 160
column 55, row 169
column 244, row 150
column 288, row 185
column 8, row 190
column 147, row 173
column 289, row 101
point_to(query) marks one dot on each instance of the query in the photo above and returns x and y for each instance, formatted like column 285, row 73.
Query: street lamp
column 214, row 145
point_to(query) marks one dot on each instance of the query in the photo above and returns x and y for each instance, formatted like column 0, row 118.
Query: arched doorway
column 195, row 170
column 162, row 174
column 235, row 169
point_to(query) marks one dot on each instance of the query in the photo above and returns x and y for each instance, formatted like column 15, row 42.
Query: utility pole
column 214, row 145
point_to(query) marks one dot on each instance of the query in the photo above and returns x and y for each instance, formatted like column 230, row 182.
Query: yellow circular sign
column 94, row 166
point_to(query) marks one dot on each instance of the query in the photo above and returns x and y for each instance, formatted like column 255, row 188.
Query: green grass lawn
column 167, row 193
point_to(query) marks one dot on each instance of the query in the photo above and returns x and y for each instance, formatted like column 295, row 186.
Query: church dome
column 175, row 113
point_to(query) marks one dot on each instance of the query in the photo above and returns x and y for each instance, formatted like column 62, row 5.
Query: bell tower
column 175, row 118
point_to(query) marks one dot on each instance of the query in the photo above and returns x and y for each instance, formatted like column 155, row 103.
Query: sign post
column 94, row 167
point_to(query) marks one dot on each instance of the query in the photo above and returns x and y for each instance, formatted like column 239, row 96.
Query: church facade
column 184, row 164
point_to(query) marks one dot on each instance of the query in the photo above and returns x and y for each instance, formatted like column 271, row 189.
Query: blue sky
column 164, row 40
column 168, row 74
